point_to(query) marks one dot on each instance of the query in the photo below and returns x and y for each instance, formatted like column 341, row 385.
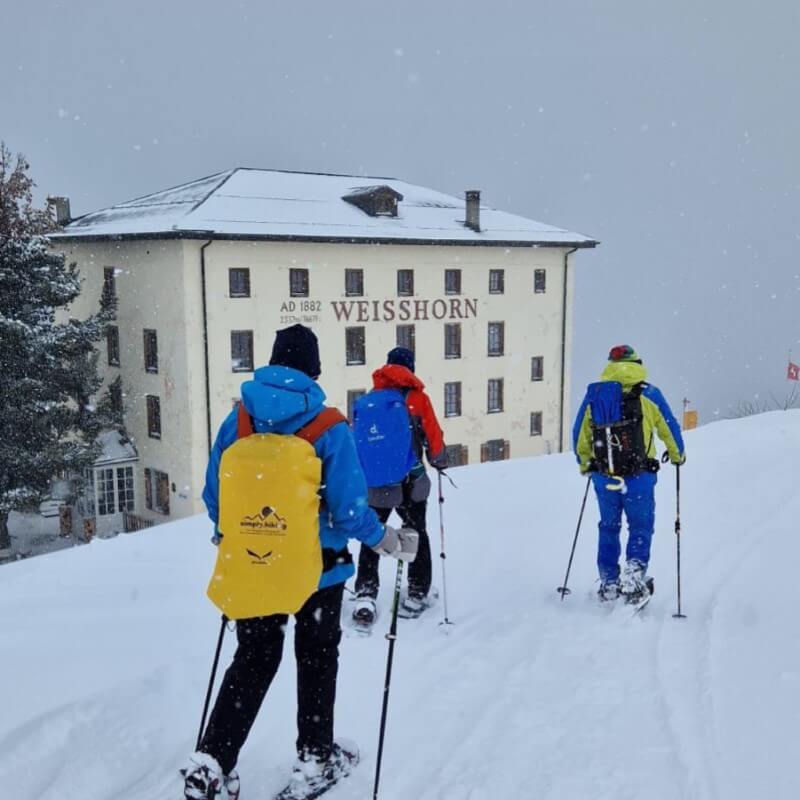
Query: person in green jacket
column 614, row 441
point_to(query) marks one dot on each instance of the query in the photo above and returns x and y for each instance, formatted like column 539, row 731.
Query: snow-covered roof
column 272, row 204
column 116, row 448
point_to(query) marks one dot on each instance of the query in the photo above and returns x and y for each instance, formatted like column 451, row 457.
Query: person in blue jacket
column 283, row 398
column 624, row 473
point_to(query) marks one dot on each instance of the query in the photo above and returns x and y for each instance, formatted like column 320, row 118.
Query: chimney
column 473, row 210
column 62, row 209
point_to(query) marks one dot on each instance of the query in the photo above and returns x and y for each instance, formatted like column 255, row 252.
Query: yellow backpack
column 270, row 556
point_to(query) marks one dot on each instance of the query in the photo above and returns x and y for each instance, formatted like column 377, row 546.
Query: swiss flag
column 793, row 373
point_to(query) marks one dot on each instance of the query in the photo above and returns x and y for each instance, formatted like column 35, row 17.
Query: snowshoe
column 636, row 588
column 413, row 606
column 633, row 585
column 203, row 780
column 639, row 604
column 364, row 614
column 608, row 591
column 312, row 778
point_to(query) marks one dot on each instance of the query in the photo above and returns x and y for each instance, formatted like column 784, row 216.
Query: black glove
column 591, row 466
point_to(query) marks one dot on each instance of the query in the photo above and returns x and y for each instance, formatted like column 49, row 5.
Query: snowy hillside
column 106, row 650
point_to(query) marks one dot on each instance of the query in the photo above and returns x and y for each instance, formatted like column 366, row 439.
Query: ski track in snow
column 107, row 650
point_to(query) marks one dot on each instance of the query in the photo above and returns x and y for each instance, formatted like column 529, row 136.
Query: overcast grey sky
column 668, row 130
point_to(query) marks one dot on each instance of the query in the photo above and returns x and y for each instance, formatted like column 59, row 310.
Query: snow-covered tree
column 49, row 422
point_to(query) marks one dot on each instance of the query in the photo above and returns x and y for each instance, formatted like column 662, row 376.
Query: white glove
column 401, row 544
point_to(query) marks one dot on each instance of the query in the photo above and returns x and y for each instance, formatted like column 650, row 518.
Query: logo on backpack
column 383, row 433
column 266, row 521
column 256, row 558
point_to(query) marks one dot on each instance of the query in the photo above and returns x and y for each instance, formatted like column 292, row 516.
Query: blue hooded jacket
column 283, row 400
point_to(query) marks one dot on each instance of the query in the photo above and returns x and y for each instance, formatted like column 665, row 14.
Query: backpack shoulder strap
column 244, row 424
column 637, row 389
column 325, row 420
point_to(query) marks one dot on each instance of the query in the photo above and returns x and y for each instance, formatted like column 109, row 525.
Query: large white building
column 205, row 273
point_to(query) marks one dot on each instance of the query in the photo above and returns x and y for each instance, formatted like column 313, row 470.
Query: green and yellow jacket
column 657, row 416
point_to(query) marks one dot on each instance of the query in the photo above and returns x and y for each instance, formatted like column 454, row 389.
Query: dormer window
column 377, row 201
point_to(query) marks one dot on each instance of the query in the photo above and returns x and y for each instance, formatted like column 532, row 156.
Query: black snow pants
column 412, row 513
column 260, row 645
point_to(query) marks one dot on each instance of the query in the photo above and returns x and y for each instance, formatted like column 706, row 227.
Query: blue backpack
column 384, row 441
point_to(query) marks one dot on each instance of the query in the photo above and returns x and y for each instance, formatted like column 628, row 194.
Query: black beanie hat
column 297, row 347
column 402, row 356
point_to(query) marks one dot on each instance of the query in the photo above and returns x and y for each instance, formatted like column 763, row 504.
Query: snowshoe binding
column 635, row 586
column 203, row 780
column 364, row 614
column 608, row 591
column 413, row 606
column 312, row 778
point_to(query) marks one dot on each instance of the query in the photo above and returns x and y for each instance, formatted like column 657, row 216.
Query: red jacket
column 420, row 409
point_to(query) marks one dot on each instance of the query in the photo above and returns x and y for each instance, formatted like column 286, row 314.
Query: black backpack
column 617, row 429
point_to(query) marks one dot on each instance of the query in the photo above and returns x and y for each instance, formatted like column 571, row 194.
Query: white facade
column 178, row 285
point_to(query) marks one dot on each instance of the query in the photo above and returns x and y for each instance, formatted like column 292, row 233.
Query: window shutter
column 484, row 452
column 148, row 489
column 506, row 449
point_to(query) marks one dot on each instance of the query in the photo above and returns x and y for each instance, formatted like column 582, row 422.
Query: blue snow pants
column 639, row 505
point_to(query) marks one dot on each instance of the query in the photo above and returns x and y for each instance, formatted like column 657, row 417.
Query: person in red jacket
column 409, row 497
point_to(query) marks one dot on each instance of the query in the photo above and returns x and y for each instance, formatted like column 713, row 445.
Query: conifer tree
column 49, row 422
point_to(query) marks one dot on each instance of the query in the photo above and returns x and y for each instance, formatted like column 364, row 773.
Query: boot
column 312, row 777
column 633, row 584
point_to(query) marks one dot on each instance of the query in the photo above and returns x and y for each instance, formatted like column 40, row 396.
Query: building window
column 298, row 282
column 112, row 345
column 497, row 335
column 406, row 338
column 405, row 282
column 109, row 282
column 497, row 281
column 495, row 396
column 156, row 491
column 536, row 423
column 105, row 492
column 354, row 282
column 452, row 281
column 150, row 350
column 385, row 205
column 125, row 496
column 452, row 399
column 539, row 281
column 241, row 351
column 239, row 282
column 457, row 455
column 495, row 450
column 352, row 396
column 537, row 368
column 452, row 340
column 115, row 396
column 355, row 345
column 153, row 417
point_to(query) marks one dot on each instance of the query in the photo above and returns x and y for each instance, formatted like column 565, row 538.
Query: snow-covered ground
column 106, row 650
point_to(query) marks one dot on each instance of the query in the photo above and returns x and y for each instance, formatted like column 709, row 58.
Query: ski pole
column 678, row 535
column 442, row 556
column 391, row 636
column 563, row 590
column 211, row 681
